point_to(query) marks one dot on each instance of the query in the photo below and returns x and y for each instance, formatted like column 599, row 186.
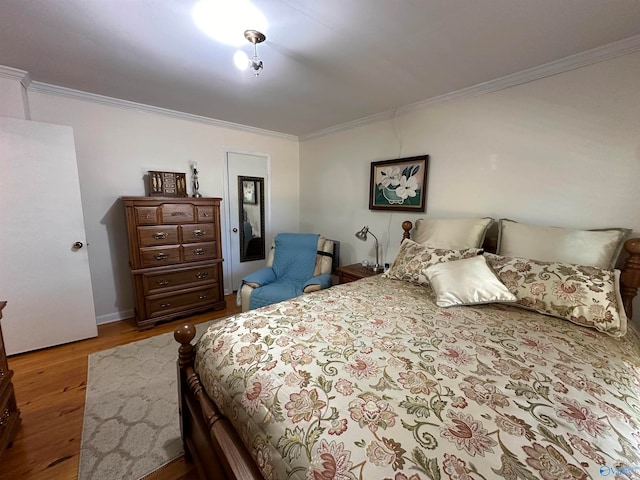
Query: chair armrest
column 261, row 277
column 318, row 282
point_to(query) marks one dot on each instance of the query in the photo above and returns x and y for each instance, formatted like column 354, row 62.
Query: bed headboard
column 629, row 279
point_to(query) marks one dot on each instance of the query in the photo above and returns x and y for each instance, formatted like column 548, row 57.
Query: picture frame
column 167, row 184
column 249, row 192
column 399, row 184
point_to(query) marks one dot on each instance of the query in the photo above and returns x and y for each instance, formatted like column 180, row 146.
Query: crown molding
column 572, row 62
column 116, row 102
column 15, row 74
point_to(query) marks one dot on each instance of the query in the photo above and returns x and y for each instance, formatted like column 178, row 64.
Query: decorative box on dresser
column 175, row 255
column 9, row 414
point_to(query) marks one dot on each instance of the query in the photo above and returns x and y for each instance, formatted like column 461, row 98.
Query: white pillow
column 466, row 282
column 595, row 248
column 451, row 233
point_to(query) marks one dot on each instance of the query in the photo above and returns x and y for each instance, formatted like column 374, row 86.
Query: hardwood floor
column 50, row 389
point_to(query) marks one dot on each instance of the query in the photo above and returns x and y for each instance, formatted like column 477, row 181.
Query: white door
column 245, row 165
column 43, row 277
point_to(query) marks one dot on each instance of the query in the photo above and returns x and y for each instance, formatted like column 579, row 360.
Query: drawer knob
column 162, row 283
column 205, row 214
column 161, row 256
column 199, row 233
column 160, row 235
column 199, row 251
column 203, row 296
column 201, row 275
column 4, row 417
column 165, row 305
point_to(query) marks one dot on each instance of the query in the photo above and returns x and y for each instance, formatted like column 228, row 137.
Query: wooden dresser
column 175, row 256
column 9, row 414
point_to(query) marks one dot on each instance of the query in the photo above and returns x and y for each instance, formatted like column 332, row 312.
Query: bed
column 372, row 379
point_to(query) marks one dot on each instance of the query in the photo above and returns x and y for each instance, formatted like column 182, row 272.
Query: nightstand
column 350, row 273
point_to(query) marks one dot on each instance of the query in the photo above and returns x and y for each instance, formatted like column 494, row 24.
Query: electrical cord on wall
column 396, row 131
column 386, row 261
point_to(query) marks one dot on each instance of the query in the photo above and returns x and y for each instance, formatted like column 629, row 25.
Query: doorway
column 249, row 238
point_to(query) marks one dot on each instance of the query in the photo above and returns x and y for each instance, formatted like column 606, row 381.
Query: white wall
column 116, row 146
column 563, row 150
column 13, row 95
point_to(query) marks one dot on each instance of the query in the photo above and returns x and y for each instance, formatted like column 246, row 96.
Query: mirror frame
column 257, row 198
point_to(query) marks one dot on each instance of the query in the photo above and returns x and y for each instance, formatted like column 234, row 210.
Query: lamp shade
column 362, row 234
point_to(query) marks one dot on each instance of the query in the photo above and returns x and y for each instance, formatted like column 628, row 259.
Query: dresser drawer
column 196, row 252
column 4, row 366
column 159, row 256
column 157, row 235
column 202, row 232
column 158, row 282
column 178, row 213
column 146, row 215
column 5, row 377
column 163, row 305
column 9, row 415
column 204, row 213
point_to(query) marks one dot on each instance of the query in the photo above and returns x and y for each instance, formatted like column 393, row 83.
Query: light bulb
column 226, row 20
column 241, row 60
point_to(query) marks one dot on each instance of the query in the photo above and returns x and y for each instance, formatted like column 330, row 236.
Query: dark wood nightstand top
column 350, row 273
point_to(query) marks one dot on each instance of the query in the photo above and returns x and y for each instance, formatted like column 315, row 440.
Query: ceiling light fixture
column 255, row 37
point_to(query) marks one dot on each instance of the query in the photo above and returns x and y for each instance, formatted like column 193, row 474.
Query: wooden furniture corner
column 9, row 413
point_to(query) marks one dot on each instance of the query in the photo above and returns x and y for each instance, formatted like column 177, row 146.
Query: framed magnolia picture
column 399, row 185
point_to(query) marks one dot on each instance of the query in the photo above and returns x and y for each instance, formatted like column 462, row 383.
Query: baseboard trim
column 115, row 317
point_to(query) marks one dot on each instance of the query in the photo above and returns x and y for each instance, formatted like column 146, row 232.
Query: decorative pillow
column 466, row 282
column 585, row 295
column 453, row 233
column 413, row 258
column 596, row 248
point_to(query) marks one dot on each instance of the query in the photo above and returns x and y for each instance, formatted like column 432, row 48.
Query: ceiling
column 326, row 62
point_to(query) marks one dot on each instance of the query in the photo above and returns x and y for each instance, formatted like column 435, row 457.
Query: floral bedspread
column 370, row 380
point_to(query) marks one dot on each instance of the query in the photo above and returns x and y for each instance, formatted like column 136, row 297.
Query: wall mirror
column 251, row 211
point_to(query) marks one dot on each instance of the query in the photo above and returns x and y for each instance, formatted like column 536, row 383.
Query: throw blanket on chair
column 293, row 264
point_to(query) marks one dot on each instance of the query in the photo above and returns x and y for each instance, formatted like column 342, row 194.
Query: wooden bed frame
column 209, row 438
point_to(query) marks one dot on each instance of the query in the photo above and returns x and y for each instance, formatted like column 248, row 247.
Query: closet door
column 44, row 263
column 244, row 165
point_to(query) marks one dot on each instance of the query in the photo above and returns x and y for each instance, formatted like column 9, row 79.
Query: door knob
column 78, row 245
column 235, row 230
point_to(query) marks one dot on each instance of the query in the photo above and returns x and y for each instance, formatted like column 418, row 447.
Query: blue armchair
column 297, row 263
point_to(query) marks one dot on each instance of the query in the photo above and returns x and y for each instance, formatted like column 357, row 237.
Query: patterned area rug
column 131, row 425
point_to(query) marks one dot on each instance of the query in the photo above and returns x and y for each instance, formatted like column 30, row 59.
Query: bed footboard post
column 184, row 335
column 630, row 277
